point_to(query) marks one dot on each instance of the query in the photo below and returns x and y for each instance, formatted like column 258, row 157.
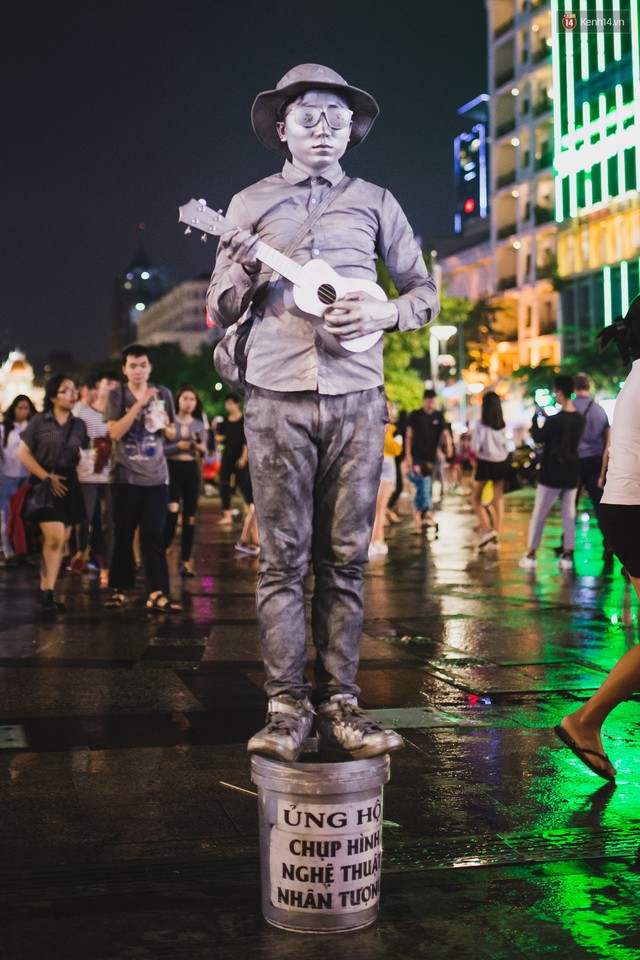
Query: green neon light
column 571, row 100
column 557, row 109
column 617, row 46
column 601, row 60
column 584, row 46
column 624, row 285
column 608, row 314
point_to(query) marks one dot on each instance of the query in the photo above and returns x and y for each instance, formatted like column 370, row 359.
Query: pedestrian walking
column 12, row 472
column 315, row 411
column 581, row 730
column 234, row 472
column 489, row 443
column 94, row 537
column 426, row 431
column 559, row 473
column 392, row 449
column 184, row 455
column 140, row 416
column 49, row 448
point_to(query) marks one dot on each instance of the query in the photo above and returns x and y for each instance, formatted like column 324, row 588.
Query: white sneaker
column 528, row 563
column 487, row 538
column 378, row 549
column 565, row 563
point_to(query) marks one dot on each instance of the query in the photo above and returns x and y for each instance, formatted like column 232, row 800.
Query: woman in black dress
column 49, row 449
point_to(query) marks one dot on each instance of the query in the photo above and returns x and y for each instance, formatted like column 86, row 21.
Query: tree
column 406, row 354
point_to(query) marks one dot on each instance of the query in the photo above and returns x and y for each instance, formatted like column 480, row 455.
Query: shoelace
column 283, row 721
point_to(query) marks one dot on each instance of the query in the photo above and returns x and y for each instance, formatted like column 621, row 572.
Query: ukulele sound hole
column 327, row 294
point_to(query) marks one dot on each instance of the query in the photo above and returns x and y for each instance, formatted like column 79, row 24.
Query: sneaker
column 565, row 562
column 251, row 548
column 527, row 562
column 487, row 538
column 289, row 723
column 344, row 731
column 378, row 549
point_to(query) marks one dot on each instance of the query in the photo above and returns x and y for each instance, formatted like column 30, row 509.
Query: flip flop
column 581, row 753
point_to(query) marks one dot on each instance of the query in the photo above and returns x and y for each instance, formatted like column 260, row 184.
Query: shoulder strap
column 316, row 213
column 258, row 303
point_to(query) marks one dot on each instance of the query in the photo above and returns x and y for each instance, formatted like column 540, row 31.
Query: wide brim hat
column 266, row 109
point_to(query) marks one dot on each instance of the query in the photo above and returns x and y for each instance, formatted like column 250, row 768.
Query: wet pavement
column 129, row 823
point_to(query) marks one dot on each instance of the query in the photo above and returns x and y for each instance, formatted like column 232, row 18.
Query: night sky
column 118, row 111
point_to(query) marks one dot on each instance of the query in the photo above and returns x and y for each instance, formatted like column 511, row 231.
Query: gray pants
column 545, row 499
column 315, row 464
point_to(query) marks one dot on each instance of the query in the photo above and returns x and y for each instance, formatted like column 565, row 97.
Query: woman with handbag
column 49, row 449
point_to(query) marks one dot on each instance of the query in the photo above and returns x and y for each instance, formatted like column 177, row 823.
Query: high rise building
column 517, row 264
column 596, row 65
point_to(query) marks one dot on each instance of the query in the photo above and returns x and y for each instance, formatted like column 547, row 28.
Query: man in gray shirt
column 139, row 415
column 314, row 412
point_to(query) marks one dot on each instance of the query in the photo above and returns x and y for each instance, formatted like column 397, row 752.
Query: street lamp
column 440, row 333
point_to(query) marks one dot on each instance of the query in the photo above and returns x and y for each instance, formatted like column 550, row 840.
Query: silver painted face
column 314, row 141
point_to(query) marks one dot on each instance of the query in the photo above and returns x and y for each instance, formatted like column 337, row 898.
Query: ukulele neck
column 277, row 261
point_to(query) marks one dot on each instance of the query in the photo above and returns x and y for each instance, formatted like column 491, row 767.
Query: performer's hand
column 358, row 313
column 240, row 246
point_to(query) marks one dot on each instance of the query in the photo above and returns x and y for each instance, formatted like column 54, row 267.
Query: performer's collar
column 293, row 174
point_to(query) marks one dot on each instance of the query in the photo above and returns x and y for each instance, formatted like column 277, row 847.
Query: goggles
column 337, row 117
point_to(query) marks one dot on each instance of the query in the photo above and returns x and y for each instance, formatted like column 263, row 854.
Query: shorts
column 620, row 525
column 488, row 470
column 388, row 471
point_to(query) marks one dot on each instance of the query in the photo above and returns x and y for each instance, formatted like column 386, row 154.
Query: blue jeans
column 315, row 464
column 422, row 496
column 7, row 489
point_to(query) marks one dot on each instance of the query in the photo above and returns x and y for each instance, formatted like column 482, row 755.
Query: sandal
column 163, row 604
column 116, row 600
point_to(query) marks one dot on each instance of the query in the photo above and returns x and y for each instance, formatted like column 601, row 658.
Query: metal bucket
column 320, row 842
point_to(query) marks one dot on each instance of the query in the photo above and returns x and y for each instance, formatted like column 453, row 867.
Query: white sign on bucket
column 326, row 858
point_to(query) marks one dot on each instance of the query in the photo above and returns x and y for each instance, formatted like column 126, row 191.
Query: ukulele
column 315, row 285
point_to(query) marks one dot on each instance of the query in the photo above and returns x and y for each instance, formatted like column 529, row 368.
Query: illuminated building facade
column 596, row 68
column 516, row 265
column 180, row 316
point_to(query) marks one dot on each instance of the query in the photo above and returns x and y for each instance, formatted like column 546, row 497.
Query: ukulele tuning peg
column 203, row 238
column 188, row 230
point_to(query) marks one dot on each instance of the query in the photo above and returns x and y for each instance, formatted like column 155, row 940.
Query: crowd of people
column 121, row 461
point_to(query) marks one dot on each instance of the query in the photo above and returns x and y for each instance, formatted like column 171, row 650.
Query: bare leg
column 54, row 538
column 585, row 724
column 498, row 505
column 250, row 527
column 476, row 503
column 384, row 495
